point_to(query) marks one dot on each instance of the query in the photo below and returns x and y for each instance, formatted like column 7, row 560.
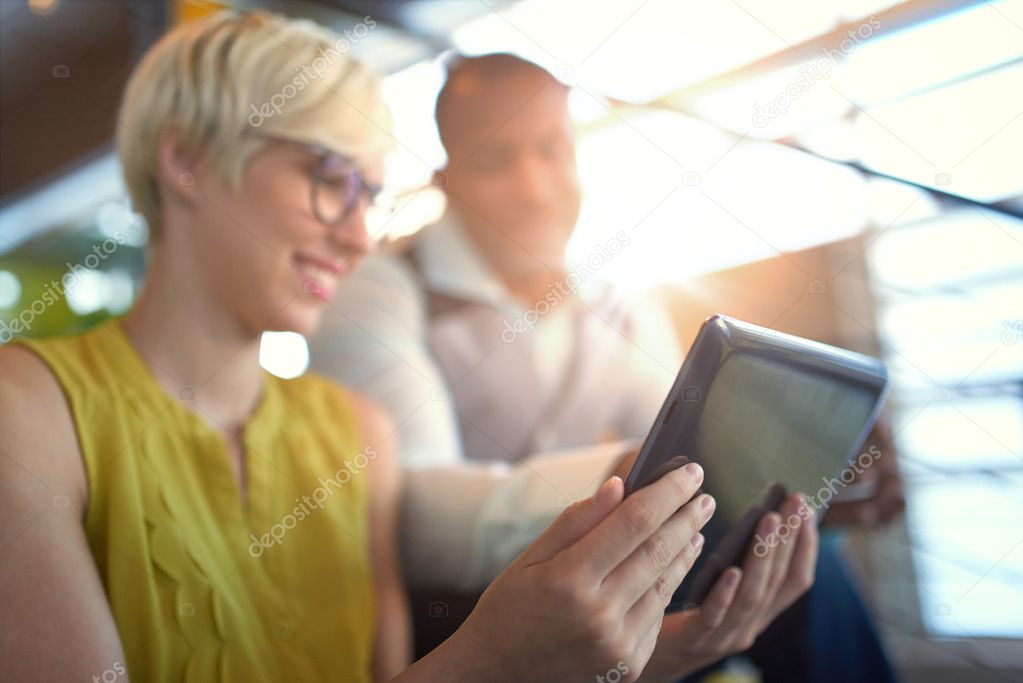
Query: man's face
column 511, row 175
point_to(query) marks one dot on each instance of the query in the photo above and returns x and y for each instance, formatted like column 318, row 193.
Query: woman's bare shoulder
column 38, row 445
column 51, row 590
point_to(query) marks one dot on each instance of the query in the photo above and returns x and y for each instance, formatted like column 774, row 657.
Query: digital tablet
column 765, row 414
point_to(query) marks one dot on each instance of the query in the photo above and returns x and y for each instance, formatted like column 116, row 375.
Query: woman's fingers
column 648, row 610
column 678, row 537
column 632, row 522
column 756, row 569
column 802, row 565
column 719, row 599
column 773, row 580
column 575, row 522
column 787, row 536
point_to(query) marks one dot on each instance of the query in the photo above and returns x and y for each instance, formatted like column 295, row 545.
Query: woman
column 172, row 512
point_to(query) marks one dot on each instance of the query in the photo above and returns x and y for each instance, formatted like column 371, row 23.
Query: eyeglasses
column 338, row 185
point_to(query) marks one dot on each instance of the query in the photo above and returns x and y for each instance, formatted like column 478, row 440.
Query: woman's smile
column 319, row 275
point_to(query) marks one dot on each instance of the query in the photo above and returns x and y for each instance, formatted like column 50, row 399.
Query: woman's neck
column 198, row 351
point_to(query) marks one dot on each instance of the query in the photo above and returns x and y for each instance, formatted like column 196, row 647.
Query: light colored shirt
column 499, row 404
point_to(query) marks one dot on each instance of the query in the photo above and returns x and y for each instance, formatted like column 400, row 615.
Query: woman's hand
column 743, row 601
column 588, row 596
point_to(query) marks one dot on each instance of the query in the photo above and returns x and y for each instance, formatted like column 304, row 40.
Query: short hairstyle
column 218, row 80
column 465, row 74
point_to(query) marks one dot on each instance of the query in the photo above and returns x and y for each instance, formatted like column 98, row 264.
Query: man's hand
column 886, row 500
column 743, row 601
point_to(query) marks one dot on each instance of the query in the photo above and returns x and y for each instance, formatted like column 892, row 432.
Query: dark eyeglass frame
column 332, row 167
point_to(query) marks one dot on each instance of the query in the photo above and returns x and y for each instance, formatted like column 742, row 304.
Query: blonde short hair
column 219, row 80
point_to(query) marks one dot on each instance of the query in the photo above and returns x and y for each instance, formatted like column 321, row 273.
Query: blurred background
column 846, row 170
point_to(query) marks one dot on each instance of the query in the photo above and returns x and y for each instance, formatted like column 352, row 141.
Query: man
column 502, row 363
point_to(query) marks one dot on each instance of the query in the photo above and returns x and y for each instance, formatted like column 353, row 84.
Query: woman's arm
column 55, row 623
column 393, row 649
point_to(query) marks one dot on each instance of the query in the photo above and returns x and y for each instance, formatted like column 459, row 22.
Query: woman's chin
column 304, row 320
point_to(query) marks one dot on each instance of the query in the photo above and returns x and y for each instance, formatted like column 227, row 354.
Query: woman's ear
column 177, row 168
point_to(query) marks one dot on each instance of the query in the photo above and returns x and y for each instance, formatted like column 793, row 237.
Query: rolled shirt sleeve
column 654, row 359
column 462, row 522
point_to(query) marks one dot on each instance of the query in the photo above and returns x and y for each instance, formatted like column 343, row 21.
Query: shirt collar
column 452, row 264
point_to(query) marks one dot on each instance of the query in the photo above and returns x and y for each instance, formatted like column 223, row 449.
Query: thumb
column 576, row 521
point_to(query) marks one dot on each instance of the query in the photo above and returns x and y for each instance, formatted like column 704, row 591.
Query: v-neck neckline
column 259, row 423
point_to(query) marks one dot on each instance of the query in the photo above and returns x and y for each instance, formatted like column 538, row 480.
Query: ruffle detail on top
column 200, row 609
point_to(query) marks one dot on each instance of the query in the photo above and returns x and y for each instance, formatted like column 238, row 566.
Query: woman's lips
column 319, row 275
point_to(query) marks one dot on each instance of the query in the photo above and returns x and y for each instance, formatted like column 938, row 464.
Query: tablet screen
column 763, row 423
column 764, row 414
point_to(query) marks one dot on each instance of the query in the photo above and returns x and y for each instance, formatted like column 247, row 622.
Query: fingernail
column 697, row 541
column 733, row 578
column 604, row 492
column 708, row 502
column 694, row 471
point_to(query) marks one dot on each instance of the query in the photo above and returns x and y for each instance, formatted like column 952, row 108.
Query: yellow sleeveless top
column 202, row 588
